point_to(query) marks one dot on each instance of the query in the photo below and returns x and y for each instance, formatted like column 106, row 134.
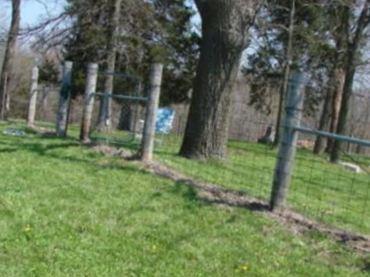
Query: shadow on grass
column 8, row 150
column 193, row 192
column 45, row 150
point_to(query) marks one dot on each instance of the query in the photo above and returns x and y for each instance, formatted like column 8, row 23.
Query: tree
column 225, row 26
column 148, row 31
column 105, row 111
column 354, row 35
column 180, row 44
column 287, row 68
column 338, row 18
column 2, row 38
column 6, row 72
column 290, row 34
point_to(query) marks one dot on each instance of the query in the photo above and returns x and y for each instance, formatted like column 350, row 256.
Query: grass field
column 68, row 211
column 319, row 189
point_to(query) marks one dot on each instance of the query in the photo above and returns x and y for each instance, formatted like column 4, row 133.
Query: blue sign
column 164, row 121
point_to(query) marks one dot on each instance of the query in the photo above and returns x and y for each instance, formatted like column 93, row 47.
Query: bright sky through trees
column 33, row 10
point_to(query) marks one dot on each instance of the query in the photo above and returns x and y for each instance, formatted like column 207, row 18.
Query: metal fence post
column 90, row 90
column 64, row 100
column 287, row 147
column 33, row 97
column 151, row 113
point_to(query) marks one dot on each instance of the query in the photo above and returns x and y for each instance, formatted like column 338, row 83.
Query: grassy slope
column 65, row 210
column 319, row 189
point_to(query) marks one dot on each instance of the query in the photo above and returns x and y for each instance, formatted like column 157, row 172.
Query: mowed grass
column 67, row 211
column 319, row 189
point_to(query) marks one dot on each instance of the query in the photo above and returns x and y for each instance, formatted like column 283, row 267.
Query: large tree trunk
column 105, row 111
column 344, row 109
column 324, row 122
column 338, row 84
column 7, row 70
column 225, row 27
column 352, row 51
column 330, row 111
column 341, row 35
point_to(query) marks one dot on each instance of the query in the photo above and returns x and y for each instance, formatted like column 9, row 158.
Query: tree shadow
column 45, row 150
column 211, row 195
column 8, row 150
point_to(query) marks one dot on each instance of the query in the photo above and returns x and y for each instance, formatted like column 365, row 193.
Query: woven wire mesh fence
column 126, row 126
column 47, row 105
column 248, row 167
column 124, row 122
column 335, row 194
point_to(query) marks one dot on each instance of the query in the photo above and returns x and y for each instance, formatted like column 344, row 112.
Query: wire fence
column 336, row 194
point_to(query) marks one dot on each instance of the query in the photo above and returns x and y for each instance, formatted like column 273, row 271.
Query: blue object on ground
column 14, row 132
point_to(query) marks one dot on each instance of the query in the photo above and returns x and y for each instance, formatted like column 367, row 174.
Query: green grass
column 67, row 211
column 319, row 189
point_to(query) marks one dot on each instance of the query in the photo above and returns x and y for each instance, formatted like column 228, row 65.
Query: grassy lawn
column 319, row 189
column 67, row 211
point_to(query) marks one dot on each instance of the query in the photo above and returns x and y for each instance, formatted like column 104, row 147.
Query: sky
column 32, row 11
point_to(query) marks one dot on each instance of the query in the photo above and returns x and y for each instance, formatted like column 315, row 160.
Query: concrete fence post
column 90, row 90
column 151, row 113
column 287, row 146
column 33, row 97
column 64, row 100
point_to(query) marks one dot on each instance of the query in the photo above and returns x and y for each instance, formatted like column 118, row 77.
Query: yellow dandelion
column 244, row 267
column 27, row 228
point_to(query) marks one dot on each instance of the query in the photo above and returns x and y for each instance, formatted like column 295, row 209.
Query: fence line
column 288, row 144
column 91, row 82
column 33, row 97
column 151, row 113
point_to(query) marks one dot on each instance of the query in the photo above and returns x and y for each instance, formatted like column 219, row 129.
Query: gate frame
column 152, row 103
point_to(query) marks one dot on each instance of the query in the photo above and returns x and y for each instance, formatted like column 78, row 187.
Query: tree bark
column 341, row 36
column 324, row 122
column 7, row 67
column 225, row 27
column 105, row 111
column 338, row 84
column 352, row 50
column 330, row 111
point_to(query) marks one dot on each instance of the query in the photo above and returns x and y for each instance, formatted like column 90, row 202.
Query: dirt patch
column 296, row 222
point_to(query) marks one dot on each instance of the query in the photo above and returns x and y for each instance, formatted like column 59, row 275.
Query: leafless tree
column 6, row 72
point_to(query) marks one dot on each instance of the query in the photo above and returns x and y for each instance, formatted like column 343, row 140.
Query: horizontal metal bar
column 119, row 96
column 333, row 136
column 122, row 75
